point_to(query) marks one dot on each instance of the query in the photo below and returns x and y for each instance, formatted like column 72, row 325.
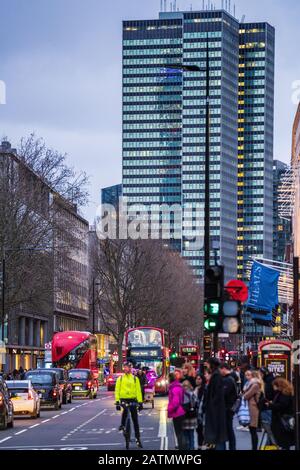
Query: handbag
column 288, row 423
column 244, row 413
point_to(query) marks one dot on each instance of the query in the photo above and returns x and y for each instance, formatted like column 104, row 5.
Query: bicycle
column 127, row 428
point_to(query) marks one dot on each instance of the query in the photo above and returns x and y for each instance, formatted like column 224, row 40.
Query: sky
column 61, row 64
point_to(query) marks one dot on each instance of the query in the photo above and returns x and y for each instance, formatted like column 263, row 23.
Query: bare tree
column 143, row 283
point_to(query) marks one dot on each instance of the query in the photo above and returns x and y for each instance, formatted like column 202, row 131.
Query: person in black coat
column 230, row 396
column 143, row 381
column 268, row 379
column 214, row 408
column 282, row 408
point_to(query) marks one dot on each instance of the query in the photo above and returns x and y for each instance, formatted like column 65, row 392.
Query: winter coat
column 214, row 409
column 230, row 391
column 175, row 408
column 282, row 405
column 128, row 387
column 251, row 394
column 269, row 392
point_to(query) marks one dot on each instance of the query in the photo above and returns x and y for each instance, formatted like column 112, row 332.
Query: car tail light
column 1, row 399
column 110, row 379
column 54, row 393
column 89, row 384
column 30, row 395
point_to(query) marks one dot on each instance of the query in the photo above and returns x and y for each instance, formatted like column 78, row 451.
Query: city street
column 93, row 425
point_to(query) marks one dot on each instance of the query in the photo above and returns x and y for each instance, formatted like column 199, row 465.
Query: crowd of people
column 16, row 374
column 203, row 406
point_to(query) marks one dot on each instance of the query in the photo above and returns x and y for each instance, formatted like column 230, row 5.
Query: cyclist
column 128, row 390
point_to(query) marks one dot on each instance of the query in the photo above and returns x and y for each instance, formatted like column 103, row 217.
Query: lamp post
column 93, row 303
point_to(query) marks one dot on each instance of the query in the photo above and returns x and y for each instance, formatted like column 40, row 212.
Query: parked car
column 111, row 381
column 83, row 383
column 26, row 400
column 64, row 384
column 6, row 407
column 46, row 384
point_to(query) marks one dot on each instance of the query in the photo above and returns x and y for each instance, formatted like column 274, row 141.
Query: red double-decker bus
column 190, row 353
column 147, row 347
column 75, row 350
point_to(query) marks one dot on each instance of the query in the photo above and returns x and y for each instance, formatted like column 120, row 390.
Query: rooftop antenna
column 229, row 6
column 226, row 5
column 171, row 6
column 234, row 10
column 203, row 5
column 161, row 5
column 191, row 7
column 243, row 19
column 174, row 5
column 165, row 5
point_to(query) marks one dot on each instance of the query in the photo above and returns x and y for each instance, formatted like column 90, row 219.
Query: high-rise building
column 111, row 195
column 296, row 184
column 164, row 119
column 281, row 227
column 255, row 146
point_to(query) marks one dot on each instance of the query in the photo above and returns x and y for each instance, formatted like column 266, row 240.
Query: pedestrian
column 253, row 389
column 214, row 408
column 282, row 413
column 189, row 424
column 268, row 378
column 189, row 373
column 15, row 375
column 143, row 381
column 244, row 367
column 230, row 395
column 175, row 408
column 199, row 394
column 21, row 373
column 237, row 371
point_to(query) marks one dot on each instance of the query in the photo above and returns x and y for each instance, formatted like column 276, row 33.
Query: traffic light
column 213, row 293
column 214, row 282
column 231, row 317
column 174, row 355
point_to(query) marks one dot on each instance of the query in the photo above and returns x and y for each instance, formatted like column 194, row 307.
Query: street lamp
column 93, row 303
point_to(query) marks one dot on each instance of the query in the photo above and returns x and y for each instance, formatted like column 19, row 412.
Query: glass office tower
column 255, row 149
column 164, row 125
column 164, row 119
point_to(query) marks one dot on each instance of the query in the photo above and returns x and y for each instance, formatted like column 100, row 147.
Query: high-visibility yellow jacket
column 128, row 387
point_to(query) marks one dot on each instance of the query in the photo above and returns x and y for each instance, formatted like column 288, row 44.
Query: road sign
column 237, row 290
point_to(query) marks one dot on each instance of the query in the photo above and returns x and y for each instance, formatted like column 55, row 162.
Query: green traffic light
column 212, row 308
column 210, row 325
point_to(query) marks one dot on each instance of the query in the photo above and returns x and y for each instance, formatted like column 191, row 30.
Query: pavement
column 93, row 424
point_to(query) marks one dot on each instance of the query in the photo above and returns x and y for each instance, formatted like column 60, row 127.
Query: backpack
column 190, row 405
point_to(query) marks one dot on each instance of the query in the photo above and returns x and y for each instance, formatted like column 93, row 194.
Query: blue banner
column 263, row 287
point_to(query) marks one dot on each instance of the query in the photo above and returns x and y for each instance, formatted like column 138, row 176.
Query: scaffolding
column 287, row 193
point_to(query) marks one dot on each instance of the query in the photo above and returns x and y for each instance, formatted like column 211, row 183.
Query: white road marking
column 6, row 439
column 34, row 425
column 72, row 409
column 46, row 420
column 56, row 416
column 64, row 413
column 84, row 424
column 60, row 445
column 21, row 432
column 162, row 431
